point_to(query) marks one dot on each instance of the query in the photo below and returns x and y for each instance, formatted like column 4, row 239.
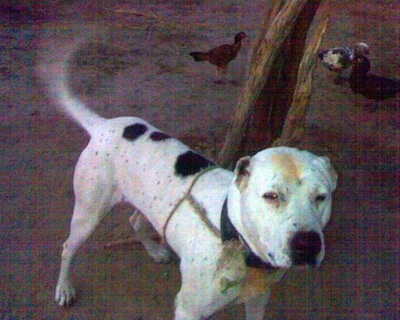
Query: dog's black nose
column 305, row 248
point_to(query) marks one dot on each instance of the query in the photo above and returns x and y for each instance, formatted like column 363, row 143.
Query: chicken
column 370, row 85
column 340, row 58
column 220, row 56
column 336, row 58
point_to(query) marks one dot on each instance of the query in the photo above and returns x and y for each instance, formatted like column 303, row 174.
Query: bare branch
column 262, row 61
column 295, row 119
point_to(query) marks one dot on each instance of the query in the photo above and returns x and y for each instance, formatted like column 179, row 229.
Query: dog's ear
column 242, row 172
column 334, row 176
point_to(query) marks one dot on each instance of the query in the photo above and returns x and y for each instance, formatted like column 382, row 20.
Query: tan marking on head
column 290, row 167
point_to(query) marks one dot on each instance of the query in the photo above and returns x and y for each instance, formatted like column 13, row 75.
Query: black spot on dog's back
column 159, row 136
column 134, row 131
column 190, row 163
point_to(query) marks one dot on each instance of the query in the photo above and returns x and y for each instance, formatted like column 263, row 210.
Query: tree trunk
column 273, row 66
column 292, row 53
column 295, row 121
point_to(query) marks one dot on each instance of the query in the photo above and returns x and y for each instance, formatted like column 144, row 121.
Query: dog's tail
column 53, row 70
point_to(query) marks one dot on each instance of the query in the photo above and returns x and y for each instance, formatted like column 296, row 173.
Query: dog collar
column 229, row 232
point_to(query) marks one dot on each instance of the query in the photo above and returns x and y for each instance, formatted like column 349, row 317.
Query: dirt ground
column 141, row 67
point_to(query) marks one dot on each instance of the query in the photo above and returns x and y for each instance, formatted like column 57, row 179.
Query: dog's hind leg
column 95, row 195
column 255, row 308
column 82, row 227
column 144, row 233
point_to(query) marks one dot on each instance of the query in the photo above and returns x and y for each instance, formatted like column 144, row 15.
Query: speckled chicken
column 341, row 58
column 220, row 56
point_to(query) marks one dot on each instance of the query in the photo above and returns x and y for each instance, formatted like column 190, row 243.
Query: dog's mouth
column 253, row 261
column 303, row 251
column 305, row 248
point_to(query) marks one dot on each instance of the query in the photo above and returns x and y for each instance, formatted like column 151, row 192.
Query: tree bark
column 295, row 120
column 267, row 68
column 292, row 53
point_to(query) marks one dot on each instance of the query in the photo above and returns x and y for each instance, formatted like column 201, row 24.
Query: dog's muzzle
column 305, row 248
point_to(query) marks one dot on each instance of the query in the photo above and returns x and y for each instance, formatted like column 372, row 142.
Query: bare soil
column 141, row 67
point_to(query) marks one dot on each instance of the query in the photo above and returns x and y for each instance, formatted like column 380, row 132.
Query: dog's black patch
column 190, row 163
column 134, row 131
column 159, row 136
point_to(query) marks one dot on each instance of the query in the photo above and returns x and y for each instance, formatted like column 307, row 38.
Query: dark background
column 142, row 68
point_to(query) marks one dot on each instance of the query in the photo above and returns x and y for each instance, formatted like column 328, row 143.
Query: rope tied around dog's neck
column 236, row 256
column 238, row 266
column 193, row 202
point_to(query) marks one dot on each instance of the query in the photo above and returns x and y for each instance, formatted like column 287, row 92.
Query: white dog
column 271, row 210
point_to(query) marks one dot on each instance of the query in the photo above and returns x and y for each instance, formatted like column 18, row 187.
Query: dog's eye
column 271, row 196
column 320, row 198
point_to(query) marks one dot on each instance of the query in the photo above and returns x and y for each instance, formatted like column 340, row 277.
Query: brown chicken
column 220, row 56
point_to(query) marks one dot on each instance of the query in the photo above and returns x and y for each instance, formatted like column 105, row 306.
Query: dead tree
column 267, row 95
column 295, row 123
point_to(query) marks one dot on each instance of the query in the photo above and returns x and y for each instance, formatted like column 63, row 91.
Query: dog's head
column 280, row 201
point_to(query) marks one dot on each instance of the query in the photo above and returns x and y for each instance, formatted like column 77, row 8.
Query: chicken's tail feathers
column 199, row 56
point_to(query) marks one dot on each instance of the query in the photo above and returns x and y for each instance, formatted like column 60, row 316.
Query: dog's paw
column 160, row 255
column 158, row 252
column 65, row 294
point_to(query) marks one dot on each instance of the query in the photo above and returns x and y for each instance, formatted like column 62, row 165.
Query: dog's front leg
column 255, row 307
